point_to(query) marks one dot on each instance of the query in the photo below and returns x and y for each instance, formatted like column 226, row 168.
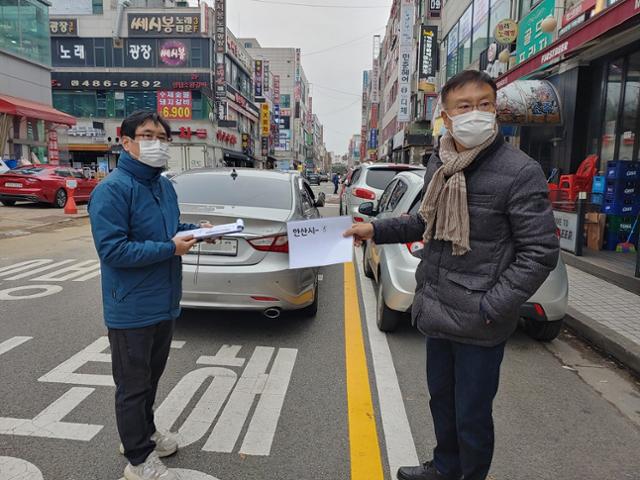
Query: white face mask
column 473, row 128
column 154, row 153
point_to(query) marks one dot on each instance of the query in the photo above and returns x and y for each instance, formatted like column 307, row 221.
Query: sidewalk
column 23, row 219
column 606, row 315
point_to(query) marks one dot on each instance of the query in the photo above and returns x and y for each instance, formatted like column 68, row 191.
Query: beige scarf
column 445, row 204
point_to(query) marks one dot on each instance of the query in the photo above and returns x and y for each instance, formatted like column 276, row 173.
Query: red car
column 43, row 184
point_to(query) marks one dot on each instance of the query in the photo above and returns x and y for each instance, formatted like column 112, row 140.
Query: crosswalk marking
column 12, row 343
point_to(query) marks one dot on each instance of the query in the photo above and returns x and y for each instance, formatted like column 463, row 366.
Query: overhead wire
column 349, row 42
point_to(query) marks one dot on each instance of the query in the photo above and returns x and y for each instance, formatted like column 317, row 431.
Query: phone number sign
column 175, row 104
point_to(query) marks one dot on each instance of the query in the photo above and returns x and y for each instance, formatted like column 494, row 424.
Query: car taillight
column 364, row 193
column 279, row 244
column 539, row 310
column 32, row 180
column 358, row 219
column 415, row 246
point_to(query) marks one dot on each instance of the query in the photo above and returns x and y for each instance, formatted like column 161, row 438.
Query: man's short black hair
column 465, row 77
column 140, row 117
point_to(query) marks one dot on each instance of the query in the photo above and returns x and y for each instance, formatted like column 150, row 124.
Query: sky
column 315, row 30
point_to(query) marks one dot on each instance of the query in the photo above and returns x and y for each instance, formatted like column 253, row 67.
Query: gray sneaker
column 151, row 469
column 165, row 444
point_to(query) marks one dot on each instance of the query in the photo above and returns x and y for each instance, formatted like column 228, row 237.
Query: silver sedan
column 247, row 271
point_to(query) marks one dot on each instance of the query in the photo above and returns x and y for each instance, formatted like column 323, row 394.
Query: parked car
column 324, row 177
column 366, row 184
column 44, row 184
column 393, row 268
column 247, row 271
column 313, row 178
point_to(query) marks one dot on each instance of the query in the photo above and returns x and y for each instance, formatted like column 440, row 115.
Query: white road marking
column 49, row 424
column 401, row 449
column 12, row 343
column 262, row 429
column 18, row 469
column 227, row 430
column 226, row 357
column 26, row 265
column 178, row 344
column 206, row 410
column 16, row 292
column 65, row 372
column 87, row 269
column 28, row 271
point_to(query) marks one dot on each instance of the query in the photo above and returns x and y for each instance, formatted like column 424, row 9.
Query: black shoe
column 426, row 471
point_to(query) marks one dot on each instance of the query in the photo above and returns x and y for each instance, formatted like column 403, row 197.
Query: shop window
column 198, row 108
column 196, row 55
column 628, row 134
column 285, row 101
column 24, row 29
column 101, row 103
column 134, row 101
column 500, row 9
column 480, row 36
column 97, row 7
column 78, row 104
column 611, row 110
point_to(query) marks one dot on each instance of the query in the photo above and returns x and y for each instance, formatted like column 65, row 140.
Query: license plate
column 13, row 185
column 225, row 246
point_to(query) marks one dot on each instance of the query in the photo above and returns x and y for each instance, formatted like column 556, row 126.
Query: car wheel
column 386, row 319
column 543, row 331
column 366, row 266
column 8, row 203
column 60, row 199
column 311, row 310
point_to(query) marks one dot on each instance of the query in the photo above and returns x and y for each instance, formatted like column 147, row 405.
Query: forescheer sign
column 593, row 28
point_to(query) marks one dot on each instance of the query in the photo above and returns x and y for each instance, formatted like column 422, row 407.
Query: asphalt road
column 254, row 398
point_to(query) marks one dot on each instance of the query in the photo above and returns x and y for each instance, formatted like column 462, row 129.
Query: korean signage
column 568, row 226
column 186, row 133
column 373, row 138
column 221, row 48
column 152, row 24
column 298, row 53
column 126, row 81
column 63, row 27
column 406, row 49
column 531, row 38
column 506, row 31
column 276, row 89
column 265, row 146
column 375, row 82
column 528, row 102
column 258, row 74
column 266, row 82
column 175, row 104
column 173, row 53
column 435, row 7
column 428, row 51
column 52, row 147
column 67, row 52
column 140, row 53
column 574, row 8
column 265, row 120
column 239, row 53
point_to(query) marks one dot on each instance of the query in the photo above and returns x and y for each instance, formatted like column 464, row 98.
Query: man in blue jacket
column 134, row 220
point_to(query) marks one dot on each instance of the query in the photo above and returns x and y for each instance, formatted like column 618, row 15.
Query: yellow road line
column 366, row 463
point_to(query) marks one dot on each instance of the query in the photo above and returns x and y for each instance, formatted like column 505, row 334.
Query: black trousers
column 138, row 359
column 463, row 381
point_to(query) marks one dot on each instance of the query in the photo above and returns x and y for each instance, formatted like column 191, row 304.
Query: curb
column 619, row 347
column 35, row 228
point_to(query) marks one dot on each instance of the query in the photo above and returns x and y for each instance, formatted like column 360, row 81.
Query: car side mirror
column 368, row 209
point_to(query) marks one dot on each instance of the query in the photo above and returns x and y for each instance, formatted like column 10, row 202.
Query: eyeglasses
column 462, row 108
column 150, row 137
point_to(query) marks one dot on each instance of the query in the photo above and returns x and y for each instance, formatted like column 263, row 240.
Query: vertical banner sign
column 220, row 51
column 406, row 49
column 375, row 82
column 276, row 89
column 52, row 147
column 428, row 52
column 257, row 69
column 265, row 120
column 298, row 89
column 266, row 87
column 363, row 130
column 310, row 114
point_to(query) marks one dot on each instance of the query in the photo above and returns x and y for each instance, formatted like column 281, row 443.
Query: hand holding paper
column 320, row 242
column 201, row 234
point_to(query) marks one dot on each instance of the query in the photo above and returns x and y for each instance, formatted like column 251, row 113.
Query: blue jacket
column 134, row 216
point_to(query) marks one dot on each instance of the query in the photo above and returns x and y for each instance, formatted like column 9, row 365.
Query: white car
column 393, row 267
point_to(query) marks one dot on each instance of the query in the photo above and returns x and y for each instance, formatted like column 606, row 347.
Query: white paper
column 316, row 243
column 214, row 232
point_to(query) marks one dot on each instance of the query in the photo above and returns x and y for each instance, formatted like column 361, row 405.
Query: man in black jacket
column 490, row 242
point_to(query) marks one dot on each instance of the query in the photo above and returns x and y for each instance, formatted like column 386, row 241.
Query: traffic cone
column 70, row 207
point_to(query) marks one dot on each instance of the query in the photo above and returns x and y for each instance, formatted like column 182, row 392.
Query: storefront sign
column 67, row 52
column 375, row 82
column 265, row 146
column 568, row 226
column 531, row 38
column 63, row 27
column 151, row 24
column 266, row 82
column 257, row 81
column 85, row 131
column 185, row 133
column 239, row 53
column 529, row 102
column 435, row 8
column 221, row 48
column 373, row 138
column 265, row 120
column 406, row 49
column 298, row 55
column 575, row 8
column 173, row 53
column 506, row 31
column 276, row 89
column 139, row 53
column 175, row 104
column 126, row 81
column 428, row 51
column 52, row 148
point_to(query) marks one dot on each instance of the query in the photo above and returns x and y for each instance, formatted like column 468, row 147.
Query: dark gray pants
column 138, row 358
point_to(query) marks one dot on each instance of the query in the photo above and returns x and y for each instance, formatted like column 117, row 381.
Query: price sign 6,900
column 180, row 113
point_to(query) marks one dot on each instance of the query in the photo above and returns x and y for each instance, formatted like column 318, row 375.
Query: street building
column 31, row 130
